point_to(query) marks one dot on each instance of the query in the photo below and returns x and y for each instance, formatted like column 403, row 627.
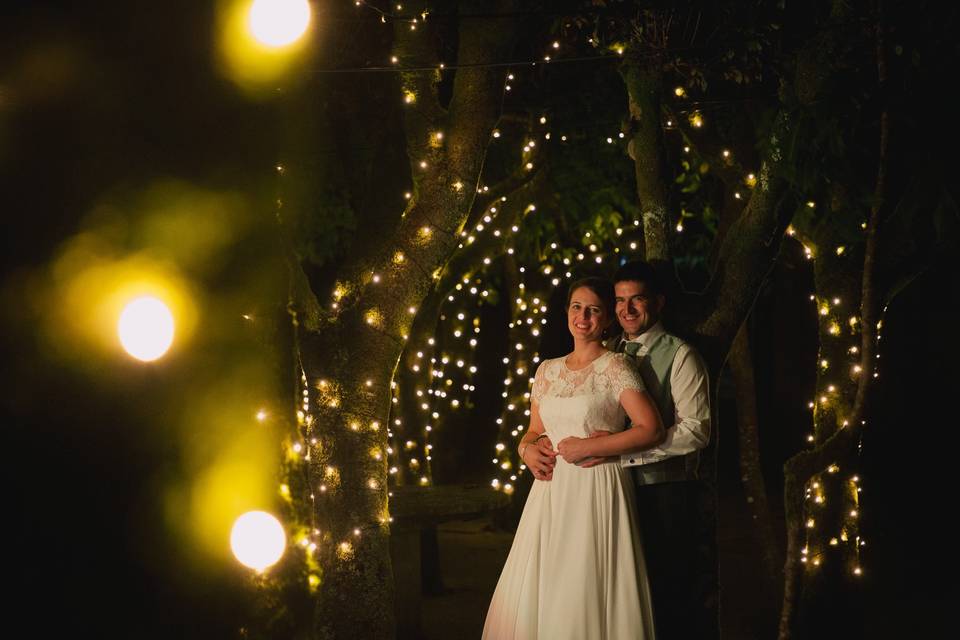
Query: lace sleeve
column 624, row 375
column 539, row 384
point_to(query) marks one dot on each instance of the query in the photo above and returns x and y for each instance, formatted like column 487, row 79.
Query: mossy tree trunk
column 349, row 339
column 643, row 78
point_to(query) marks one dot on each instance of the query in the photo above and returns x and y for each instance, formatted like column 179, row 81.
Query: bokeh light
column 146, row 328
column 263, row 43
column 277, row 23
column 257, row 540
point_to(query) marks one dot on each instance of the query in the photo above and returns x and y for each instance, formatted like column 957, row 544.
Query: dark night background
column 99, row 101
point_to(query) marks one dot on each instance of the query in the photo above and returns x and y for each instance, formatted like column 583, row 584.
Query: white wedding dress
column 576, row 567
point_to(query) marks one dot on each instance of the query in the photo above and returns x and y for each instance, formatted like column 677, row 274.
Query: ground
column 472, row 554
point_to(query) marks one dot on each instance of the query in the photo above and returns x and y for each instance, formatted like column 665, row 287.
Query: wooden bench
column 414, row 552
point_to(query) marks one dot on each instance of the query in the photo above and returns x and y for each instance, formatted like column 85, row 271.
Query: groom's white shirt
column 690, row 388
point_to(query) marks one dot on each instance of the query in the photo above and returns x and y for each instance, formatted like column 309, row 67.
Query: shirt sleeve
column 690, row 388
column 624, row 375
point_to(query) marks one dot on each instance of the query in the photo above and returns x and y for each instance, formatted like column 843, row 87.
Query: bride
column 576, row 568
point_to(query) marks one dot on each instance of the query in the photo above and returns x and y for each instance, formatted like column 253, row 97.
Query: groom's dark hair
column 639, row 271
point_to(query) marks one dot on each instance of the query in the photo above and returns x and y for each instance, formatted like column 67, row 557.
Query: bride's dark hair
column 603, row 289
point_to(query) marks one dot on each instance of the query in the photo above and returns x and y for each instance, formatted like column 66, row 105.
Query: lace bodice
column 577, row 403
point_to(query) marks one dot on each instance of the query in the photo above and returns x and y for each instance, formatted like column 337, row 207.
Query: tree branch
column 414, row 48
column 302, row 303
column 746, row 256
column 517, row 179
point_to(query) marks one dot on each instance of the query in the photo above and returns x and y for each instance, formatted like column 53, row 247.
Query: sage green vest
column 655, row 370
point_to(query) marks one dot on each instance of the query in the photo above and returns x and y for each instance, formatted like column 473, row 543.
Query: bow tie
column 631, row 348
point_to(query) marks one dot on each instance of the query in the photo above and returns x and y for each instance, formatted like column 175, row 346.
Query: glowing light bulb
column 277, row 23
column 257, row 540
column 146, row 328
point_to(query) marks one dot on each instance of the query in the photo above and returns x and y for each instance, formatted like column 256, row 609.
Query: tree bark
column 838, row 439
column 751, row 472
column 348, row 356
column 644, row 82
column 746, row 257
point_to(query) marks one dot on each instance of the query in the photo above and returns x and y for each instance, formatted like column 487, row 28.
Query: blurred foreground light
column 146, row 328
column 257, row 540
column 277, row 23
column 262, row 43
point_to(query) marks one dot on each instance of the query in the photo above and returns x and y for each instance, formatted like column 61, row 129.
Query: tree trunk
column 644, row 82
column 821, row 494
column 815, row 501
column 751, row 472
column 350, row 346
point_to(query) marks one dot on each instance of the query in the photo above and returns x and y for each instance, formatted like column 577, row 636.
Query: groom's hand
column 540, row 458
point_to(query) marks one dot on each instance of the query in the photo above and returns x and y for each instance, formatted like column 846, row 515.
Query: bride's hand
column 573, row 449
column 540, row 458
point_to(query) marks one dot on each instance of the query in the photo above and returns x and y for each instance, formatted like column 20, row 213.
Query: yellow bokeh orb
column 257, row 540
column 146, row 328
column 277, row 23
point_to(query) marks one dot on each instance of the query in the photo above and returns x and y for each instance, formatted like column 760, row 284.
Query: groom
column 675, row 520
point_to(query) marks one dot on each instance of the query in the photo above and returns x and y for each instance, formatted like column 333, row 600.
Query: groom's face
column 637, row 309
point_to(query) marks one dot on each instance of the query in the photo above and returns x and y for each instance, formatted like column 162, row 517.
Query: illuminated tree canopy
column 289, row 262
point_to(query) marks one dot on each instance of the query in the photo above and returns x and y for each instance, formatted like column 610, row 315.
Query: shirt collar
column 649, row 336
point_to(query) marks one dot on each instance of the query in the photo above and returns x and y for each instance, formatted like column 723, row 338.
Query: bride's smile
column 587, row 316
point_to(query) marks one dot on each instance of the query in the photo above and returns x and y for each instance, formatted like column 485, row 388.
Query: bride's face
column 587, row 317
